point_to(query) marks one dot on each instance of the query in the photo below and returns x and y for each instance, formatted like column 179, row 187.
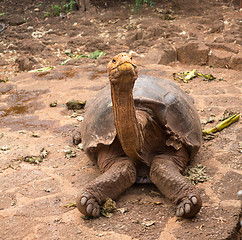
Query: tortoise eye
column 131, row 58
column 114, row 61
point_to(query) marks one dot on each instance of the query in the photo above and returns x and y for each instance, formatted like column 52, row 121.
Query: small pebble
column 80, row 118
column 80, row 146
column 5, row 148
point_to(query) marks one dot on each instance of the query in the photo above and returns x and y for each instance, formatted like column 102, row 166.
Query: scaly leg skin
column 121, row 174
column 165, row 174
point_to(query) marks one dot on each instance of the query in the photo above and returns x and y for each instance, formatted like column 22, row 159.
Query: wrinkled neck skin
column 125, row 119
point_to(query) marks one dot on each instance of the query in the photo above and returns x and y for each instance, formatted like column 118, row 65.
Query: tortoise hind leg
column 119, row 173
column 165, row 174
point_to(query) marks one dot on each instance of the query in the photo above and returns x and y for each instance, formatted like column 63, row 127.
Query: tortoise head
column 122, row 68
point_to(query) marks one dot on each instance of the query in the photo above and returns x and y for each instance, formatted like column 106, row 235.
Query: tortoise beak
column 126, row 66
column 124, row 69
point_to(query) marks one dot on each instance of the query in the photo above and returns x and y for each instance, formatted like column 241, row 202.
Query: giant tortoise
column 140, row 129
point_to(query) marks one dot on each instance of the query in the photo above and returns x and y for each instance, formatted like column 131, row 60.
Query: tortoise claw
column 88, row 205
column 189, row 206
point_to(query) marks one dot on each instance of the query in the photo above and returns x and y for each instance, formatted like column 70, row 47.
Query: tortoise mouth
column 123, row 69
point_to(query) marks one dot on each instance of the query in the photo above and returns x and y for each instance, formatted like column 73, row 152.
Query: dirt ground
column 174, row 36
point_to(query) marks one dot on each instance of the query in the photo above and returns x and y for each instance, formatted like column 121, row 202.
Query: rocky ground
column 41, row 170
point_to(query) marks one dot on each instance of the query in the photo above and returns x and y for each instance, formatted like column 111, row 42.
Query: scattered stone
column 148, row 223
column 239, row 193
column 99, row 234
column 240, row 147
column 41, row 33
column 24, row 64
column 80, row 118
column 219, row 40
column 69, row 153
column 165, row 14
column 75, row 104
column 122, row 210
column 68, row 51
column 36, row 135
column 2, row 135
column 209, row 120
column 80, row 146
column 5, row 148
column 43, row 153
column 217, row 26
column 53, row 104
column 73, row 115
column 22, row 131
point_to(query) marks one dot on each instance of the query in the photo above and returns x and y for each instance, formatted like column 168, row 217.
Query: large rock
column 219, row 58
column 193, row 53
column 24, row 63
column 236, row 62
column 162, row 56
column 229, row 47
column 13, row 20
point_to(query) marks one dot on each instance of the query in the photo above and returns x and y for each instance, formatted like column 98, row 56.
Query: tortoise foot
column 88, row 205
column 189, row 206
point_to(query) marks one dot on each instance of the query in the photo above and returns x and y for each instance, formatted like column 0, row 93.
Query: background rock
column 193, row 53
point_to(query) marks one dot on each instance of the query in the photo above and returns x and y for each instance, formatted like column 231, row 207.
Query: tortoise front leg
column 120, row 174
column 165, row 174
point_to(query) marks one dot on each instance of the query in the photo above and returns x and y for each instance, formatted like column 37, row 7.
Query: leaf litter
column 196, row 174
column 188, row 76
column 228, row 118
column 108, row 208
column 36, row 159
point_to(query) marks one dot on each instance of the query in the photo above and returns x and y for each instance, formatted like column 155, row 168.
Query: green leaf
column 220, row 126
column 76, row 57
column 69, row 205
column 97, row 54
column 42, row 69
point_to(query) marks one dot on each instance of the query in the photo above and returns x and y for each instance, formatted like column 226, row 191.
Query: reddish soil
column 172, row 37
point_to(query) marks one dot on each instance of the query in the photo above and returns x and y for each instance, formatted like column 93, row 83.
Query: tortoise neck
column 125, row 117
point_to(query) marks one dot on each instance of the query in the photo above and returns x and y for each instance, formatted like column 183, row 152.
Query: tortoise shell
column 172, row 108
